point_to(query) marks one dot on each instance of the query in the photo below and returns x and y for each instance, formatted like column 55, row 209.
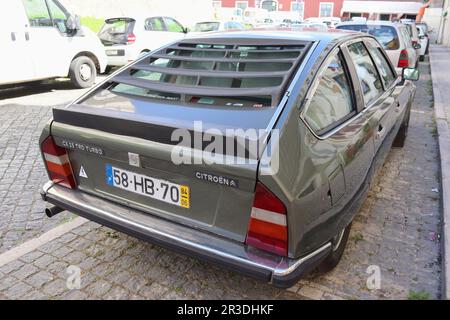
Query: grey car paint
column 322, row 179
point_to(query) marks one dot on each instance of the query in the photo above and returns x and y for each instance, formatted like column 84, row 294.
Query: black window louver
column 226, row 68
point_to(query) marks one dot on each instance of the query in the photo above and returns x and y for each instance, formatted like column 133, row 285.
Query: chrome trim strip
column 279, row 272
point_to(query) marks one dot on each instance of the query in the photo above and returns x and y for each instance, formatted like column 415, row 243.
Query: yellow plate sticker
column 185, row 197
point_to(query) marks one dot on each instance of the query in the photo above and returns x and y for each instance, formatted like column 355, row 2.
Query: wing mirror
column 73, row 23
column 417, row 46
column 411, row 74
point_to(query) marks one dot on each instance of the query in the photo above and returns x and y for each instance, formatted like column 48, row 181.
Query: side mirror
column 421, row 37
column 73, row 23
column 185, row 30
column 417, row 46
column 411, row 74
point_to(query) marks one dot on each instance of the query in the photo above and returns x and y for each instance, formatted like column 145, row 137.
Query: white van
column 40, row 40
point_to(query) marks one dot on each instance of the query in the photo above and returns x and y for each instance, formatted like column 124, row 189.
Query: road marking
column 31, row 245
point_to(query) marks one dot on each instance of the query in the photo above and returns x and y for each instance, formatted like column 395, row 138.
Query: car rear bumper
column 280, row 271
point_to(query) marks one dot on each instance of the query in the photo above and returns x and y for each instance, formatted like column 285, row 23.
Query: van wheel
column 339, row 243
column 400, row 138
column 82, row 72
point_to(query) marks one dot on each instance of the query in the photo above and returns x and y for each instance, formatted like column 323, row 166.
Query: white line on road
column 31, row 245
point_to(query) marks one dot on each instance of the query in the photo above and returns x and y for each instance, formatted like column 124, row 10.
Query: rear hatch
column 115, row 31
column 131, row 129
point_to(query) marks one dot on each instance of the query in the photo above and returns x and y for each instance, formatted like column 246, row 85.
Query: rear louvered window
column 243, row 74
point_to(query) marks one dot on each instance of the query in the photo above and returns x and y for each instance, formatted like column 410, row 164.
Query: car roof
column 280, row 34
column 371, row 22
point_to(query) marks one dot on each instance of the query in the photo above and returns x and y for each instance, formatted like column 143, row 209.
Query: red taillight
column 131, row 38
column 403, row 61
column 268, row 223
column 58, row 164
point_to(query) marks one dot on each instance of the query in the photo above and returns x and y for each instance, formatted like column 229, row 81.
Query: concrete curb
column 442, row 124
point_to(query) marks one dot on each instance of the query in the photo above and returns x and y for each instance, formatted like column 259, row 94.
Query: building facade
column 347, row 9
column 305, row 8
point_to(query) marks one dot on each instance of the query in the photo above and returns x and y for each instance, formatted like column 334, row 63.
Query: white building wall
column 185, row 11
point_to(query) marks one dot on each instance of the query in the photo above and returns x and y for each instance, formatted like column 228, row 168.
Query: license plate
column 147, row 186
column 111, row 52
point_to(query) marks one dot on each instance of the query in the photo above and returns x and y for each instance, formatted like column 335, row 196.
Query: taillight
column 58, row 164
column 268, row 223
column 403, row 61
column 131, row 38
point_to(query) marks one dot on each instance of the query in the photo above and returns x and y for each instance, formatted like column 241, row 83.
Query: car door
column 15, row 63
column 156, row 33
column 377, row 83
column 48, row 39
column 343, row 147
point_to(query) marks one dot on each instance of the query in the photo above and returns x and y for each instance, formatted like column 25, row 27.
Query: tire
column 82, row 72
column 339, row 242
column 422, row 58
column 400, row 138
column 108, row 69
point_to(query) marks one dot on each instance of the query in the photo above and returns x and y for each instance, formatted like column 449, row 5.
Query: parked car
column 331, row 22
column 424, row 43
column 414, row 34
column 394, row 37
column 424, row 30
column 327, row 106
column 126, row 38
column 215, row 26
column 41, row 40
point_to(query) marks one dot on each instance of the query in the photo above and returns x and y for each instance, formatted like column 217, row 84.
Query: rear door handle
column 13, row 36
column 381, row 130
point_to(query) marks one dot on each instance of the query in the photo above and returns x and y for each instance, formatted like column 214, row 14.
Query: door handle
column 13, row 36
column 27, row 36
column 381, row 131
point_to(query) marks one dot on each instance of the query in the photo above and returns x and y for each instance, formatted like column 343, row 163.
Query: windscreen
column 386, row 35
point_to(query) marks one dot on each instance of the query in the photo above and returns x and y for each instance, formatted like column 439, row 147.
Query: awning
column 397, row 7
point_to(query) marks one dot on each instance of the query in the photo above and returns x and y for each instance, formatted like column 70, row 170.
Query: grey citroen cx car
column 328, row 106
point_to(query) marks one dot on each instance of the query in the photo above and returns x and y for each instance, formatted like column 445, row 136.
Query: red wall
column 311, row 6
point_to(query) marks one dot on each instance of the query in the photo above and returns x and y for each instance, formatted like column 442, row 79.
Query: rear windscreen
column 386, row 35
column 115, row 31
column 226, row 74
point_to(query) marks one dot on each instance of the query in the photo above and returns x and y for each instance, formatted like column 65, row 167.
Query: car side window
column 37, row 13
column 59, row 17
column 387, row 75
column 173, row 26
column 332, row 101
column 154, row 24
column 367, row 73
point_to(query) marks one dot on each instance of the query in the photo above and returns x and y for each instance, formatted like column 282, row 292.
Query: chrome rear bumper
column 280, row 271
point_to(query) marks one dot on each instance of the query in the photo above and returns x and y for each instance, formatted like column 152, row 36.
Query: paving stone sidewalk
column 397, row 230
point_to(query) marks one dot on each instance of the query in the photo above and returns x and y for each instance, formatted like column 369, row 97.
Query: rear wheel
column 82, row 72
column 339, row 243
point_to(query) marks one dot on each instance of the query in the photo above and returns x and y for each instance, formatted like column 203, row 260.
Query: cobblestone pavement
column 396, row 230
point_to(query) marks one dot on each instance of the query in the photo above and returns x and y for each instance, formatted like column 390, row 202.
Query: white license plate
column 111, row 52
column 147, row 186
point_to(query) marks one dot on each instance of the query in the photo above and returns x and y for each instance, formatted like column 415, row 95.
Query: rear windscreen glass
column 214, row 74
column 386, row 35
column 115, row 31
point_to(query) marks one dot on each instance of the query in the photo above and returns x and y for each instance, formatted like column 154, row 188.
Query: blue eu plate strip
column 109, row 175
